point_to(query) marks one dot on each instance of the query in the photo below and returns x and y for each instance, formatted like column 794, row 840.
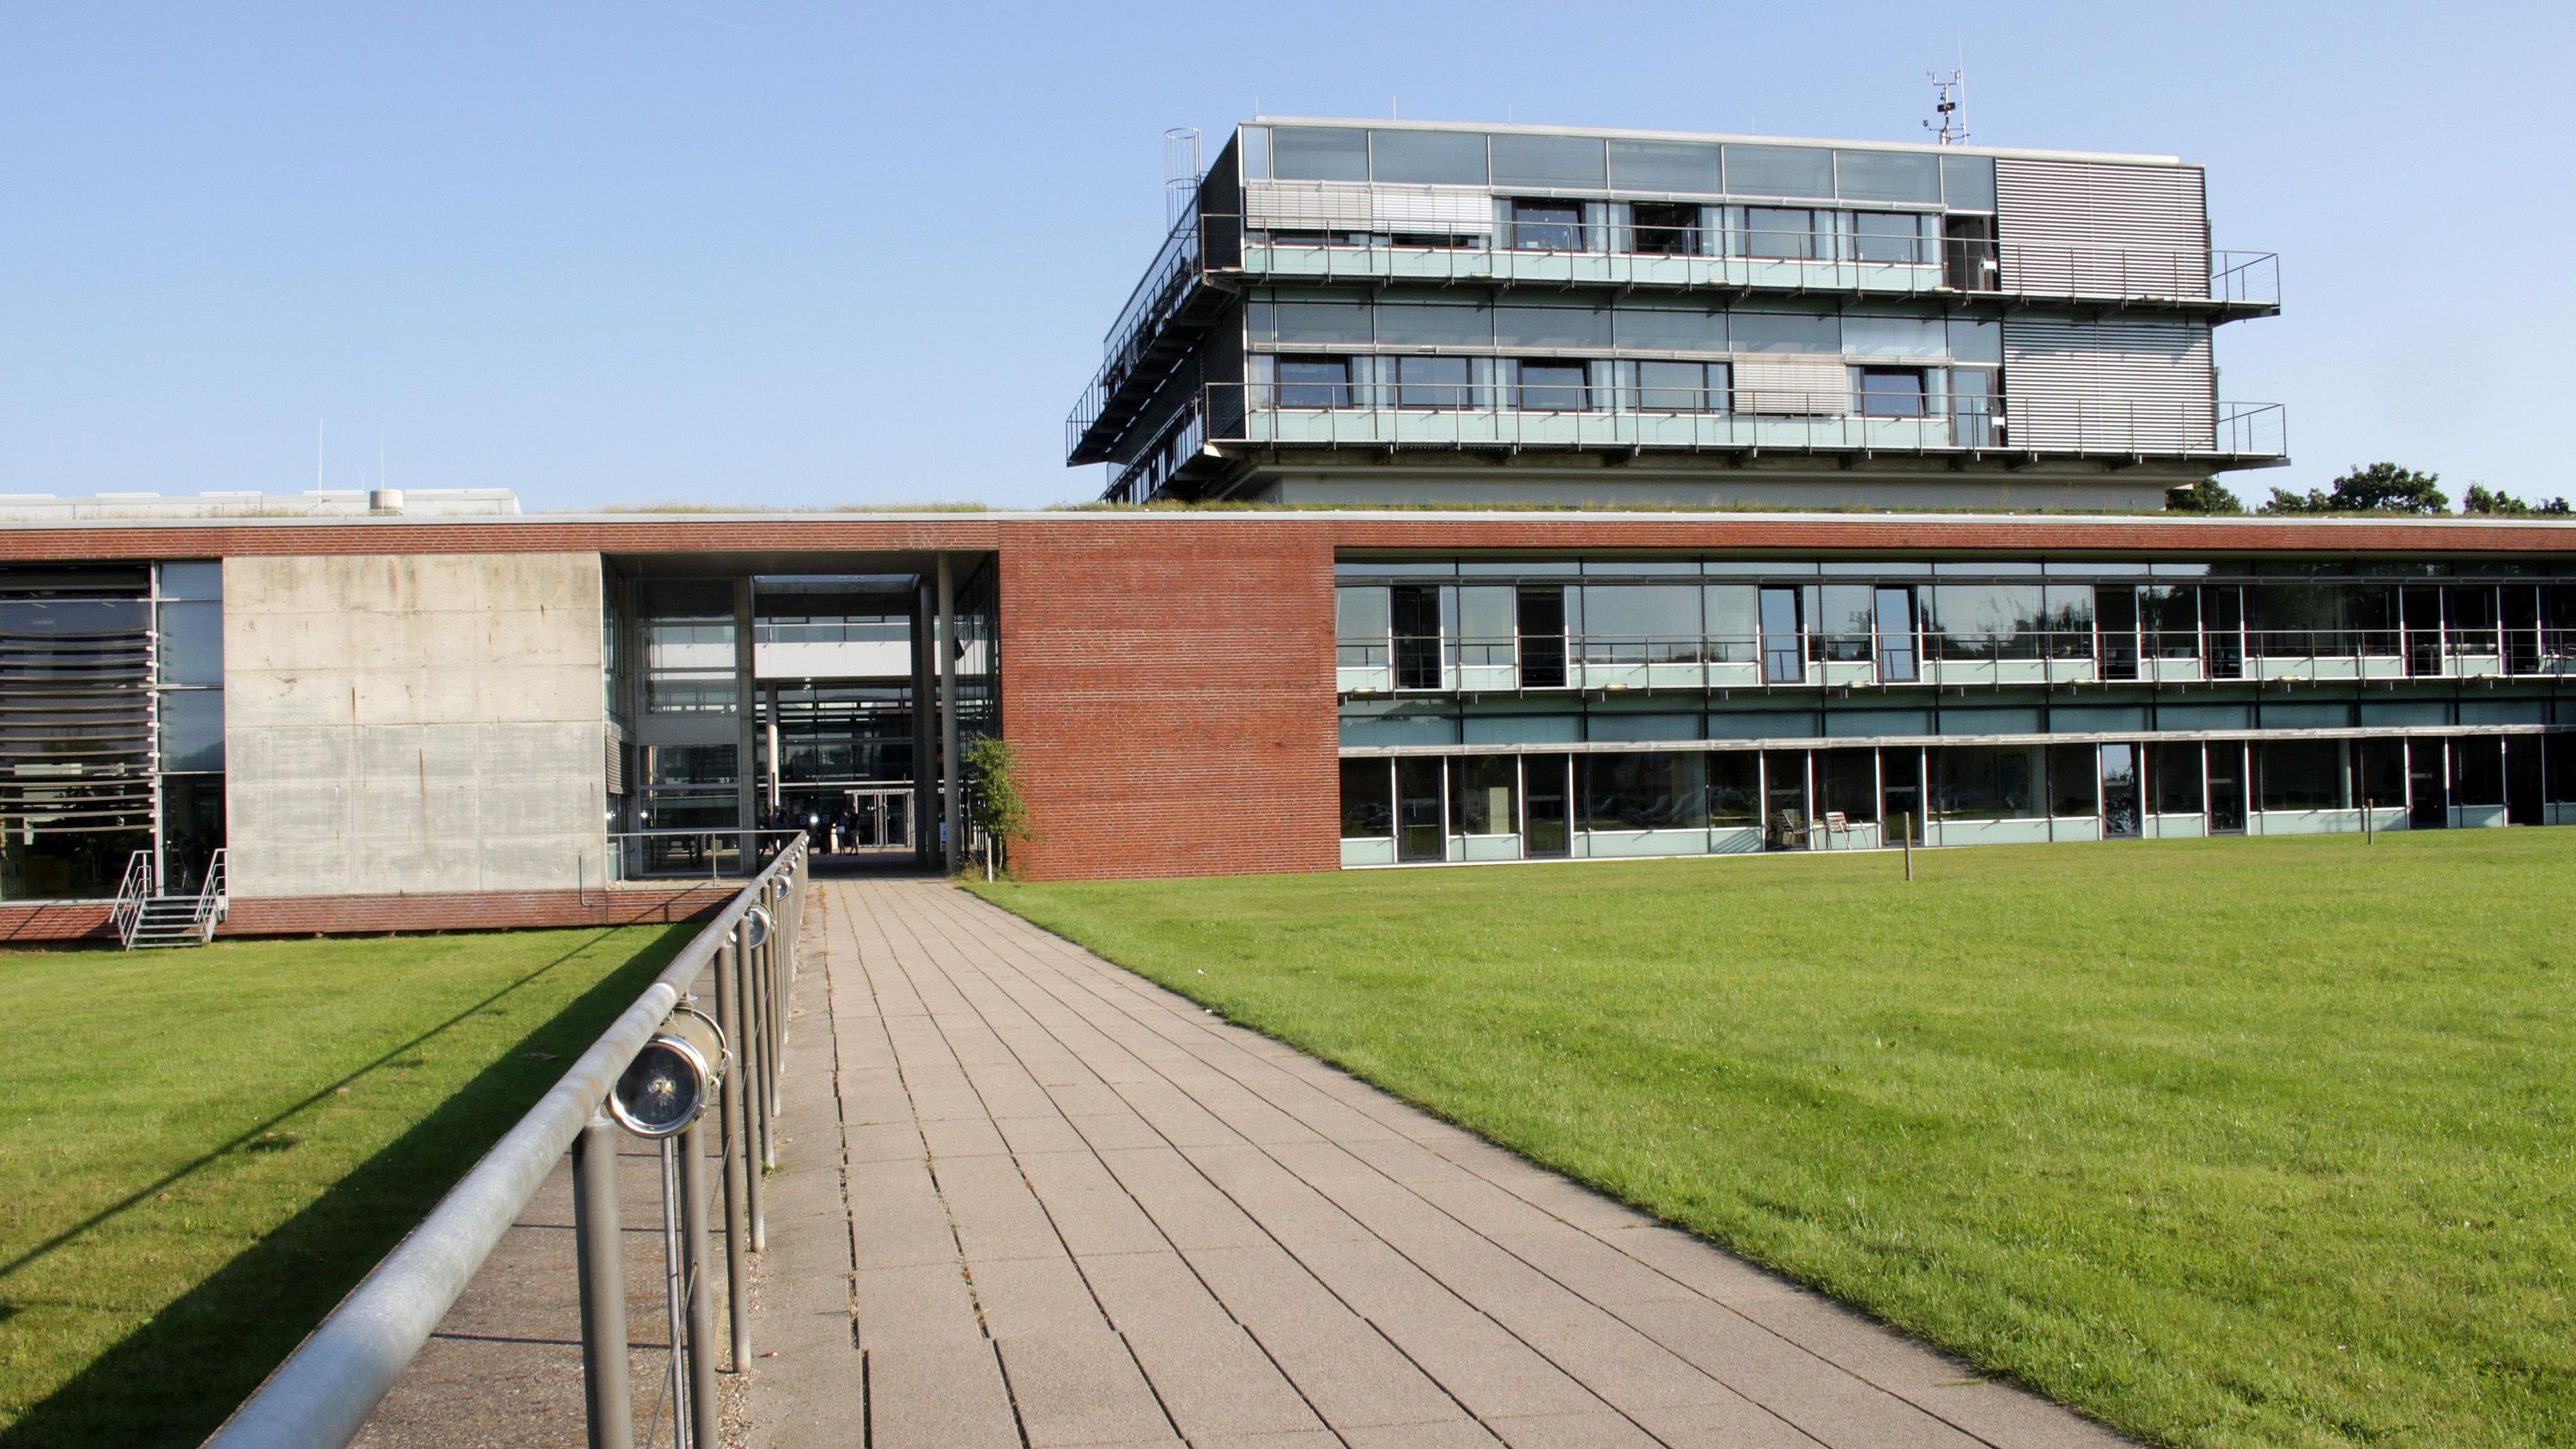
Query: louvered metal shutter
column 1777, row 382
column 2141, row 387
column 1306, row 206
column 1449, row 210
column 2102, row 229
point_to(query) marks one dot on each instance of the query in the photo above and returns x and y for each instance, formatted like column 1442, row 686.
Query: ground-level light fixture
column 673, row 1078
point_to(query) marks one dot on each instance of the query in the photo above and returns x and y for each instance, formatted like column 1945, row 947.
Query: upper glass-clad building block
column 1374, row 311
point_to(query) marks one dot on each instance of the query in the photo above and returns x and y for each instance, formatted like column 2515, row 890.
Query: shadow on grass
column 173, row 1380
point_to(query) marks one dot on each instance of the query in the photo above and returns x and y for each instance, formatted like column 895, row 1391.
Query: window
column 1435, row 324
column 1848, row 781
column 1888, row 176
column 192, row 731
column 1663, row 791
column 1431, row 382
column 1540, row 620
column 1482, row 792
column 1681, row 387
column 1892, row 392
column 1780, row 233
column 1785, row 332
column 1989, row 621
column 1521, row 160
column 1664, row 228
column 1640, row 623
column 2169, row 621
column 1897, row 659
column 1359, row 627
column 1418, row 614
column 1547, row 226
column 1318, row 153
column 2477, row 771
column 2069, row 621
column 1690, row 166
column 1429, row 157
column 1675, row 329
column 2299, row 774
column 1553, row 387
column 1735, row 789
column 2173, row 773
column 1314, row 382
column 1986, row 782
column 1552, row 326
column 1733, row 630
column 2073, row 788
column 1779, row 171
column 1314, row 322
column 1546, row 805
column 192, row 641
column 1845, row 624
column 1887, row 236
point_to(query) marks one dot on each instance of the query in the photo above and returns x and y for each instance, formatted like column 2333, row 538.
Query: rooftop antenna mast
column 1949, row 107
column 1180, row 173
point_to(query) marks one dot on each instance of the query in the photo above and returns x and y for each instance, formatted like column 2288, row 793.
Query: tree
column 2378, row 488
column 2206, row 496
column 994, row 802
column 2481, row 499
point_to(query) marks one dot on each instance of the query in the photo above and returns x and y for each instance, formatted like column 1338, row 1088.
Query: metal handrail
column 131, row 892
column 213, row 899
column 1558, row 415
column 321, row 1396
column 1473, row 663
column 1735, row 258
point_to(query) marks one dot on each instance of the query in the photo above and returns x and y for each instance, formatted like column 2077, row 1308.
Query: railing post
column 746, row 1003
column 700, row 1308
column 728, row 967
column 606, row 1393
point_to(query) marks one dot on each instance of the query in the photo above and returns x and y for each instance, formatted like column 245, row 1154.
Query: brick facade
column 362, row 915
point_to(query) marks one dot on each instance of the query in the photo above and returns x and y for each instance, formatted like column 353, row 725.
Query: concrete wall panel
column 398, row 724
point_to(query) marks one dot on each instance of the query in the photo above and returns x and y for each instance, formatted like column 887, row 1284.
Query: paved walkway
column 1071, row 1208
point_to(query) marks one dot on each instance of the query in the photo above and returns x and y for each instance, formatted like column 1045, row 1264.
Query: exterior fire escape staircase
column 144, row 917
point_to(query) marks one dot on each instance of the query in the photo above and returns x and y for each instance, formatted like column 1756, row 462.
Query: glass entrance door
column 2428, row 784
column 1547, row 799
column 1419, row 812
column 2227, row 789
column 2120, row 801
column 2522, row 780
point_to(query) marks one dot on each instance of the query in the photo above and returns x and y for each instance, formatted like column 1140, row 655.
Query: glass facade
column 1712, row 704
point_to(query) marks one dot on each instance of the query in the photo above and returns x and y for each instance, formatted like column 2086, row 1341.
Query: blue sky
column 803, row 254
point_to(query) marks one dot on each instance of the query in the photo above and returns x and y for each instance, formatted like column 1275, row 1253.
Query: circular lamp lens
column 660, row 1092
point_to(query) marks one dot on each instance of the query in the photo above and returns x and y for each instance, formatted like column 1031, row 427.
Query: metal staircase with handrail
column 145, row 918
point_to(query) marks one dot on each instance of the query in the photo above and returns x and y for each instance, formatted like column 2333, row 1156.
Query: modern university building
column 1851, row 464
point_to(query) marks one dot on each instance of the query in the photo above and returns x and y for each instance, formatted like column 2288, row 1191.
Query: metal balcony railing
column 1324, row 248
column 1570, row 415
column 1527, row 664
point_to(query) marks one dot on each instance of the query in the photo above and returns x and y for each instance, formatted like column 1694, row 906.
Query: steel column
column 701, row 1304
column 747, row 1005
column 606, row 1394
column 736, row 1155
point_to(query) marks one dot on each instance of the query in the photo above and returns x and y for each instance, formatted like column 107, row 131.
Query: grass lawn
column 200, row 1151
column 2223, row 1142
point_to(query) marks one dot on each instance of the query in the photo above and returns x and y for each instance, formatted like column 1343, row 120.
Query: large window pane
column 1435, row 324
column 1734, row 789
column 1314, row 382
column 1676, row 387
column 1368, row 800
column 1734, row 633
column 1452, row 157
column 1988, row 621
column 1347, row 322
column 1360, row 625
column 1894, row 337
column 1979, row 782
column 1431, row 382
column 1644, row 791
column 2477, row 770
column 1890, row 236
column 2073, row 787
column 1779, row 171
column 1318, row 153
column 1784, row 332
column 1549, row 161
column 1888, row 176
column 1640, row 623
column 1552, row 326
column 192, row 642
column 1780, row 233
column 2299, row 774
column 191, row 579
column 1849, row 782
column 1690, row 166
column 1554, row 387
column 1968, row 183
column 1845, row 623
column 1672, row 329
column 2173, row 773
column 192, row 730
column 1482, row 792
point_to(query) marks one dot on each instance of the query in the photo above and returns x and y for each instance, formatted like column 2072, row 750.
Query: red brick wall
column 1169, row 685
column 358, row 915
